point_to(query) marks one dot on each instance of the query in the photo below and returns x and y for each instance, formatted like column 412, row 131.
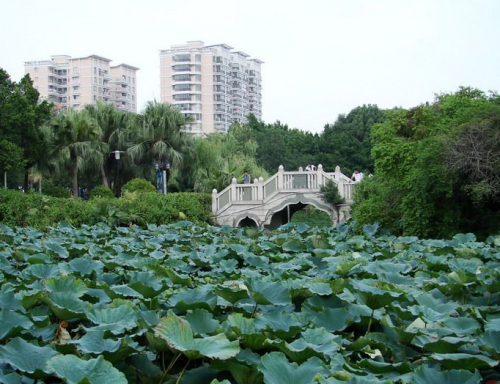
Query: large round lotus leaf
column 10, row 320
column 26, row 357
column 66, row 305
column 265, row 292
column 493, row 325
column 85, row 266
column 293, row 246
column 464, row 360
column 315, row 339
column 321, row 289
column 126, row 291
column 202, row 321
column 179, row 336
column 66, row 284
column 491, row 339
column 55, row 247
column 462, row 325
column 116, row 320
column 94, row 342
column 232, row 292
column 42, row 271
column 277, row 370
column 201, row 297
column 427, row 375
column 74, row 370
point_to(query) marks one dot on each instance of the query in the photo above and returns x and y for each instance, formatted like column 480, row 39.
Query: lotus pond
column 189, row 304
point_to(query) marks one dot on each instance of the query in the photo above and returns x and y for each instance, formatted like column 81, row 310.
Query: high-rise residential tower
column 213, row 85
column 74, row 82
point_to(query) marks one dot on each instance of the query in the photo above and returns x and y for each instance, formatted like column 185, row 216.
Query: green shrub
column 330, row 193
column 18, row 209
column 101, row 191
column 57, row 192
column 138, row 185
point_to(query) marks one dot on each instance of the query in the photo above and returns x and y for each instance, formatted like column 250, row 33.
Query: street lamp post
column 117, row 182
column 162, row 170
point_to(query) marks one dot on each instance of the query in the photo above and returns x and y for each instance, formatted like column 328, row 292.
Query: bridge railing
column 260, row 190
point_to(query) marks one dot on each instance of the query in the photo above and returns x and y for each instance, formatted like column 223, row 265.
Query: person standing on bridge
column 247, row 178
column 357, row 176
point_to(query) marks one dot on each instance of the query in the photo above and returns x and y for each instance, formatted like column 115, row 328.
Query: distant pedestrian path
column 271, row 203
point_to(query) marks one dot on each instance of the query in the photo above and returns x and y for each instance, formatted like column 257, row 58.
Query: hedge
column 18, row 209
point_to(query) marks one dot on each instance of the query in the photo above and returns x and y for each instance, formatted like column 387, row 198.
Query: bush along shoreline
column 18, row 209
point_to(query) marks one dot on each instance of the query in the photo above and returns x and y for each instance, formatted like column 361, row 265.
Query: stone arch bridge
column 272, row 202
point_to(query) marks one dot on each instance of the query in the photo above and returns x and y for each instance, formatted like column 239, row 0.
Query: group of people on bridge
column 356, row 177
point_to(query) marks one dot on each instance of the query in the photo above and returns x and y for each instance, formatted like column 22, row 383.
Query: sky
column 322, row 57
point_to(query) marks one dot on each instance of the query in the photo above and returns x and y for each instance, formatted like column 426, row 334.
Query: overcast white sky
column 322, row 57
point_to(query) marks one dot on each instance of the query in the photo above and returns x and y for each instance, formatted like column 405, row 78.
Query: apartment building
column 74, row 82
column 213, row 85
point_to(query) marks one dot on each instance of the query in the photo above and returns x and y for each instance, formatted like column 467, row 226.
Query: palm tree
column 74, row 137
column 113, row 124
column 157, row 136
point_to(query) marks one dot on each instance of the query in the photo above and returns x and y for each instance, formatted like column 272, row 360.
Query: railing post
column 320, row 175
column 215, row 207
column 232, row 196
column 338, row 174
column 260, row 189
column 281, row 171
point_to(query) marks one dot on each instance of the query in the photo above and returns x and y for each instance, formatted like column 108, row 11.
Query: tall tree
column 436, row 168
column 157, row 136
column 74, row 138
column 11, row 157
column 347, row 142
column 22, row 114
column 113, row 125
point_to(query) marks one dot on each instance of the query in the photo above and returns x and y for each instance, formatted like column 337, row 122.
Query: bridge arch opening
column 247, row 222
column 286, row 214
column 312, row 216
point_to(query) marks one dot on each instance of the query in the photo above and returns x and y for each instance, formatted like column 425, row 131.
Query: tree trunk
column 104, row 177
column 74, row 174
column 26, row 180
column 5, row 179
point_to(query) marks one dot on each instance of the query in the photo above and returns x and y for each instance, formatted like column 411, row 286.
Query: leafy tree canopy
column 437, row 167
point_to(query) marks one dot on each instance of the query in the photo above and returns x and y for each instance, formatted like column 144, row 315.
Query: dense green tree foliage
column 21, row 116
column 346, row 143
column 220, row 158
column 73, row 140
column 277, row 144
column 437, row 168
column 11, row 158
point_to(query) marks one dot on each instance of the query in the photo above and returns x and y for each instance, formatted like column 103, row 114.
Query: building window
column 76, row 71
column 183, row 57
column 181, row 77
column 182, row 68
column 182, row 97
column 182, row 87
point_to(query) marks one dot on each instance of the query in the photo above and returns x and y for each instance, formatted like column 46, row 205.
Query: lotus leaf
column 178, row 334
column 74, row 370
